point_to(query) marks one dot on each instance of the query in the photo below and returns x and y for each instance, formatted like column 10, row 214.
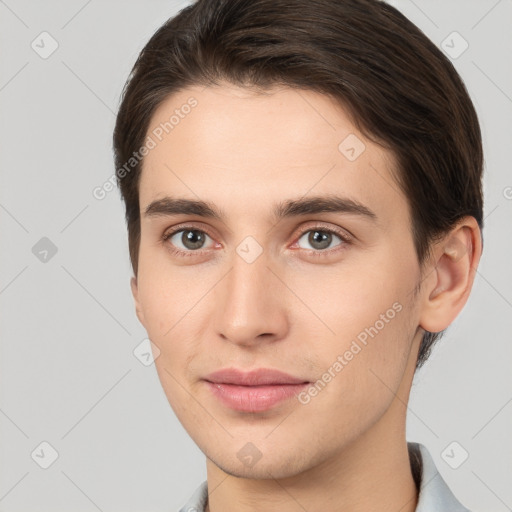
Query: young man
column 302, row 181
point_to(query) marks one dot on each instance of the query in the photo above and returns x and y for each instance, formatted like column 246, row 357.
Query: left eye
column 319, row 239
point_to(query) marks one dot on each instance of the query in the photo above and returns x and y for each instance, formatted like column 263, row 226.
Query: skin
column 243, row 152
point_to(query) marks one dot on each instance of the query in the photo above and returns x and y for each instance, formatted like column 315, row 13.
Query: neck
column 369, row 474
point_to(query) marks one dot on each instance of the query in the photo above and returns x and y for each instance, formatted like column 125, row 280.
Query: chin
column 279, row 467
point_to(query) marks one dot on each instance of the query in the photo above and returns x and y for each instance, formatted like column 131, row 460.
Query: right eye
column 186, row 240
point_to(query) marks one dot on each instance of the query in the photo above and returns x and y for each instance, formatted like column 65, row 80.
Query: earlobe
column 456, row 258
column 138, row 307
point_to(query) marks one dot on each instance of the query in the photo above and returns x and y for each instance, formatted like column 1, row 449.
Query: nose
column 251, row 304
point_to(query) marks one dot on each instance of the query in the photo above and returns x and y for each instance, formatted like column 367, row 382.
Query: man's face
column 325, row 296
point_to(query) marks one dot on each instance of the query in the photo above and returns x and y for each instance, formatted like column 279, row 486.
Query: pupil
column 322, row 241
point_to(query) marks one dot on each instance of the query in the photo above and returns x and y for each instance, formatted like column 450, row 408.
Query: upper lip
column 257, row 377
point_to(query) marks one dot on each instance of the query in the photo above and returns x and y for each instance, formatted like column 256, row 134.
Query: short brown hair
column 397, row 86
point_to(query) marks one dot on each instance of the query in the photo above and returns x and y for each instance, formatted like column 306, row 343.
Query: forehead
column 240, row 149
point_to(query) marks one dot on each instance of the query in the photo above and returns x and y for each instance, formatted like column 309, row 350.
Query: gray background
column 68, row 374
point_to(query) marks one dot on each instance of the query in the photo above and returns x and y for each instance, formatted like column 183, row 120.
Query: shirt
column 434, row 493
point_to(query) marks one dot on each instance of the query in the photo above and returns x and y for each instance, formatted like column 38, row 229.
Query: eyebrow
column 168, row 206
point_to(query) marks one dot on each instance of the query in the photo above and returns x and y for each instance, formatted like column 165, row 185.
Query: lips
column 254, row 391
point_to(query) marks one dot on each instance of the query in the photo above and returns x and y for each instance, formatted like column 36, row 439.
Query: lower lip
column 254, row 398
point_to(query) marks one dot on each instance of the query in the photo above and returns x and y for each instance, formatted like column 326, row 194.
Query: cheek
column 173, row 301
column 364, row 323
column 358, row 376
column 166, row 292
column 360, row 293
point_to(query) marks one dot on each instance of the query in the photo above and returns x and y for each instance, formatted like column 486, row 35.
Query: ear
column 447, row 287
column 138, row 307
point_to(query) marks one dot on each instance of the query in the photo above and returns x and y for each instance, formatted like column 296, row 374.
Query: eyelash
column 315, row 253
